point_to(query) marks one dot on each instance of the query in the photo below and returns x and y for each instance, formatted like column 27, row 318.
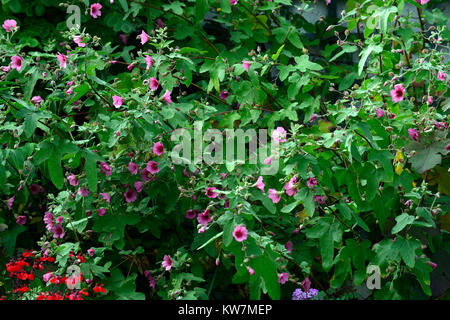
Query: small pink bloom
column 379, row 112
column 154, row 84
column 72, row 180
column 397, row 93
column 432, row 264
column 274, row 196
column 62, row 60
column 95, row 10
column 130, row 195
column 9, row 24
column 279, row 135
column 36, row 100
column 413, row 134
column 21, row 220
column 79, row 41
column 101, row 212
column 46, row 277
column 167, row 97
column 167, row 263
column 204, row 218
column 83, row 192
column 58, row 231
column 429, row 100
column 289, row 246
column 240, row 233
column 210, row 192
column 148, row 61
column 123, row 37
column 106, row 197
column 441, row 76
column 158, row 148
column 268, row 161
column 224, row 95
column 91, row 252
column 291, row 187
column 319, row 199
column 144, row 37
column 233, row 2
column 260, row 184
column 16, row 63
column 283, row 277
column 311, row 182
column 138, row 186
column 152, row 167
column 246, row 65
column 117, row 101
column 6, row 68
column 133, row 168
column 251, row 271
column 105, row 168
column 190, row 214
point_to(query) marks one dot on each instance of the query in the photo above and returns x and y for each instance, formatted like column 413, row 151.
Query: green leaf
column 365, row 55
column 290, row 207
column 210, row 240
column 55, row 169
column 402, row 221
column 91, row 170
column 407, row 249
column 265, row 267
column 304, row 64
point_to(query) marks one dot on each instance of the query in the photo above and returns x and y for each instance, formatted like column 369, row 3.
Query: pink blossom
column 106, row 197
column 105, row 168
column 21, row 220
column 432, row 264
column 311, row 182
column 260, row 184
column 91, row 252
column 291, row 187
column 240, row 233
column 204, row 218
column 279, row 135
column 158, row 148
column 289, row 246
column 138, row 186
column 274, row 196
column 152, row 167
column 62, row 60
column 429, row 100
column 148, row 61
column 397, row 93
column 16, row 63
column 422, row 2
column 413, row 134
column 101, row 212
column 35, row 189
column 144, row 37
column 319, row 199
column 9, row 24
column 10, row 202
column 123, row 37
column 379, row 112
column 246, row 65
column 46, row 277
column 36, row 100
column 268, row 161
column 133, row 168
column 95, row 10
column 154, row 84
column 167, row 263
column 58, row 231
column 83, row 192
column 117, row 101
column 251, row 271
column 130, row 195
column 233, row 2
column 283, row 277
column 210, row 192
column 79, row 41
column 190, row 214
column 167, row 97
column 6, row 68
column 441, row 76
column 224, row 95
column 72, row 180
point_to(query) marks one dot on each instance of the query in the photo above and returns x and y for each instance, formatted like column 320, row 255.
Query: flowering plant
column 356, row 176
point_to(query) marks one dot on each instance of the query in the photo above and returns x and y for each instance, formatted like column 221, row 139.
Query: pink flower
column 138, row 186
column 6, row 68
column 190, row 214
column 154, row 84
column 289, row 246
column 210, row 192
column 152, row 167
column 36, row 100
column 268, row 161
column 83, row 192
column 91, row 252
column 10, row 202
column 379, row 112
column 34, row 189
column 58, row 231
column 130, row 195
column 273, row 194
column 204, row 218
column 313, row 116
column 62, row 60
column 251, row 271
column 429, row 100
column 224, row 95
column 105, row 168
column 95, row 10
column 133, row 168
column 233, row 2
column 319, row 199
column 246, row 65
column 101, row 212
column 260, row 184
column 16, row 63
column 79, row 41
column 279, row 135
column 123, row 37
column 144, row 37
column 291, row 187
column 21, row 220
column 432, row 264
column 311, row 182
column 145, row 175
column 46, row 277
column 327, row 2
column 397, row 93
column 72, row 180
column 9, row 24
column 422, row 2
column 106, row 197
column 158, row 148
column 167, row 97
column 240, row 233
column 441, row 76
column 283, row 277
column 148, row 61
column 413, row 134
column 167, row 263
column 117, row 101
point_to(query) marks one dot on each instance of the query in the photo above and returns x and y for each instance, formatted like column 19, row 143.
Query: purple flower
column 106, row 197
column 413, row 134
column 210, row 192
column 83, row 192
column 72, row 180
column 101, row 212
column 190, row 214
column 311, row 182
column 224, row 95
column 379, row 112
column 91, row 252
column 58, row 231
column 283, row 277
column 138, row 186
column 319, row 199
column 130, row 195
column 204, row 218
column 21, row 220
column 10, row 202
column 105, row 168
column 34, row 189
